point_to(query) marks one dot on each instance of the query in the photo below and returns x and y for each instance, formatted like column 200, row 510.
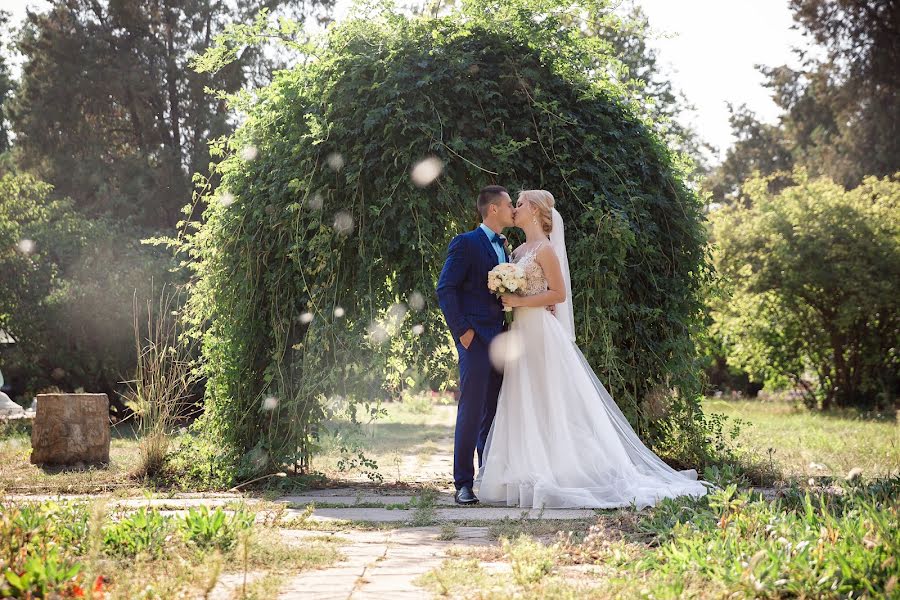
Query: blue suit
column 467, row 303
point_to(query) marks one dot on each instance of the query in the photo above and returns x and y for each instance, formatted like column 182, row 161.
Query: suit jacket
column 462, row 290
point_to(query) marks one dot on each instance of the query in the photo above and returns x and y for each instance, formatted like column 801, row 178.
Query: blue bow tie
column 497, row 239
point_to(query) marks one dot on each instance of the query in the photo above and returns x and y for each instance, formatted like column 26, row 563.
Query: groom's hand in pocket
column 466, row 338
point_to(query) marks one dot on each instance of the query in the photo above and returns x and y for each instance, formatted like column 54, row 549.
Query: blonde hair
column 545, row 202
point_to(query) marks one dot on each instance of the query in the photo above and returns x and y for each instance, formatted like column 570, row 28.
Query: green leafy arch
column 317, row 211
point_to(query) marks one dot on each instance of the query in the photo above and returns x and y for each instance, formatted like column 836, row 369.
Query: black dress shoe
column 464, row 495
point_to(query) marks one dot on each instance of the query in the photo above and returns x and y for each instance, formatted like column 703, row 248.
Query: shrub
column 814, row 271
column 318, row 253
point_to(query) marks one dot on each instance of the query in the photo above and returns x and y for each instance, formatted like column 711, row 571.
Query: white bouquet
column 506, row 278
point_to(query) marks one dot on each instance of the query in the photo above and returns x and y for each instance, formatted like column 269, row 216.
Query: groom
column 475, row 316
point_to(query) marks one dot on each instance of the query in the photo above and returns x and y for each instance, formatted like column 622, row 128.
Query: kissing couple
column 547, row 433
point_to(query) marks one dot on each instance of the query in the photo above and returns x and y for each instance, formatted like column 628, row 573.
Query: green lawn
column 409, row 437
column 418, row 434
column 808, row 444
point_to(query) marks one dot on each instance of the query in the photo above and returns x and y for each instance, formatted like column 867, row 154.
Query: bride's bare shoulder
column 545, row 252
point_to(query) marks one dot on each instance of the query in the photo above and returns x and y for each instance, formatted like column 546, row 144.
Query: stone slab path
column 380, row 564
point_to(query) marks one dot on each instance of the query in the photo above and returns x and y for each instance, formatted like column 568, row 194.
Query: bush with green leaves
column 318, row 253
column 810, row 543
column 814, row 302
column 38, row 546
column 69, row 284
column 143, row 531
column 206, row 529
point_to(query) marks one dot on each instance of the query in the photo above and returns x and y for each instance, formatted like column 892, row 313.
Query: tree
column 814, row 270
column 7, row 86
column 108, row 111
column 318, row 255
column 628, row 36
column 848, row 100
column 840, row 108
column 69, row 284
column 760, row 148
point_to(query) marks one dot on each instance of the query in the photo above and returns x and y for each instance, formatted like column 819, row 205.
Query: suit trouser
column 479, row 386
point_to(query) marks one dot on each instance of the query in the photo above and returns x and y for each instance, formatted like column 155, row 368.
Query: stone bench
column 71, row 430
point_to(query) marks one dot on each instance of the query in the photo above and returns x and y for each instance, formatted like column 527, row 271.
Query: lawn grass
column 400, row 442
column 809, row 543
column 803, row 444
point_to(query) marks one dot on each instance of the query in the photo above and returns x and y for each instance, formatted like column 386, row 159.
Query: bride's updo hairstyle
column 545, row 202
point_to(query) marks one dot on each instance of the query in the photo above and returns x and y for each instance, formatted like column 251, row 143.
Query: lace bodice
column 535, row 282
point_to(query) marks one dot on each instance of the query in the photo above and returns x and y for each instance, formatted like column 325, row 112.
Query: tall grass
column 163, row 378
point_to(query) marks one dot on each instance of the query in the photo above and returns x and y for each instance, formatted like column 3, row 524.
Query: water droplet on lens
column 335, row 160
column 343, row 223
column 316, row 201
column 249, row 152
column 377, row 333
column 416, row 301
column 426, row 171
column 397, row 311
column 505, row 348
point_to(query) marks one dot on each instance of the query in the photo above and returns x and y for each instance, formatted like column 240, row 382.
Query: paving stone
column 383, row 515
column 396, row 559
column 228, row 584
column 351, row 501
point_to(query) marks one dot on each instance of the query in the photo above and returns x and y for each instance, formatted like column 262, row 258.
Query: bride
column 558, row 439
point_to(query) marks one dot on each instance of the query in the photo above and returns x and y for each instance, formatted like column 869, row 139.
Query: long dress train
column 558, row 439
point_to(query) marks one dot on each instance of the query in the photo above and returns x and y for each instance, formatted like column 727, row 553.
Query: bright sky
column 709, row 46
column 712, row 51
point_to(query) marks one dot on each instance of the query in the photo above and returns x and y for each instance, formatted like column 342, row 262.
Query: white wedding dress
column 558, row 439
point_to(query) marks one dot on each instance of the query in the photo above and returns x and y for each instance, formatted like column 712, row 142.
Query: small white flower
column 306, row 317
column 339, row 312
column 418, row 329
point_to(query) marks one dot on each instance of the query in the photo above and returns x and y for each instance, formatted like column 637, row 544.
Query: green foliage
column 139, row 553
column 41, row 576
column 37, row 546
column 814, row 305
column 531, row 561
column 143, row 531
column 207, row 529
column 199, row 463
column 838, row 108
column 522, row 97
column 809, row 544
column 7, row 87
column 137, row 119
column 69, row 286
